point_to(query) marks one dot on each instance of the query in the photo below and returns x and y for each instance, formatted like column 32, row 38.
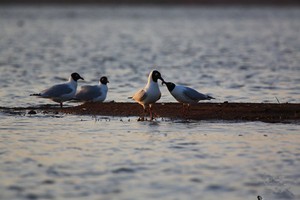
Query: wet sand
column 265, row 112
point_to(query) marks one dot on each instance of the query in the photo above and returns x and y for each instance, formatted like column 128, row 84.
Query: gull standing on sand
column 186, row 95
column 150, row 93
column 93, row 93
column 61, row 92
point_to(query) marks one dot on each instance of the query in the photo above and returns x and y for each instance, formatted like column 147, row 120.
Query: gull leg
column 183, row 110
column 61, row 104
column 186, row 108
column 142, row 116
column 152, row 114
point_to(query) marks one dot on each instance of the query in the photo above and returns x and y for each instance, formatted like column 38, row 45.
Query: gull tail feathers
column 36, row 94
column 210, row 97
column 74, row 99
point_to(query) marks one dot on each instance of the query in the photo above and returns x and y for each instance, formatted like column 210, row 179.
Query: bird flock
column 146, row 96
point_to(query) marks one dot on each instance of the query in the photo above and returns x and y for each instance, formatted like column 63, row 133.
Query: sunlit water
column 234, row 54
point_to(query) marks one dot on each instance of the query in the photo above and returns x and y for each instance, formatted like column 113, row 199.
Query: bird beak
column 163, row 81
column 81, row 78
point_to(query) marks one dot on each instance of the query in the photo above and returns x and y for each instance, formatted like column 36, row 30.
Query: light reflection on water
column 92, row 157
column 235, row 54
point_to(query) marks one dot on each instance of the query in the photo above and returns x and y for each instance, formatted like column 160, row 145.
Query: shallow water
column 234, row 54
column 120, row 158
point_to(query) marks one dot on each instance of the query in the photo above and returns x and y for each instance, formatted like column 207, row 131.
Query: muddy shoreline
column 265, row 112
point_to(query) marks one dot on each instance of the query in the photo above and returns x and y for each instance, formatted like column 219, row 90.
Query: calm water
column 234, row 54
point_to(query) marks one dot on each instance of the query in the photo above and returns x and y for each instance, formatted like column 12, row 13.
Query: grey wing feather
column 88, row 92
column 194, row 95
column 57, row 91
column 140, row 95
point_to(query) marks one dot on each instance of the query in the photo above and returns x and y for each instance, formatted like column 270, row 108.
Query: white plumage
column 150, row 93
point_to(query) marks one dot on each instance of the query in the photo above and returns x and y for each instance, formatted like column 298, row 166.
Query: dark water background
column 236, row 54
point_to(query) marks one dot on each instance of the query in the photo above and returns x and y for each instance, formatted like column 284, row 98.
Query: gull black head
column 75, row 76
column 169, row 85
column 156, row 75
column 104, row 80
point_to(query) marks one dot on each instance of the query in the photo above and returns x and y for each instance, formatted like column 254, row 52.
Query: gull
column 93, row 93
column 150, row 93
column 61, row 92
column 185, row 95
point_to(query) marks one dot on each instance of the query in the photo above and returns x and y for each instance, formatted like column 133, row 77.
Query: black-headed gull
column 186, row 95
column 93, row 93
column 61, row 92
column 150, row 93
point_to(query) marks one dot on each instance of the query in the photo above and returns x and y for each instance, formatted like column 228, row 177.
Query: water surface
column 57, row 157
column 235, row 54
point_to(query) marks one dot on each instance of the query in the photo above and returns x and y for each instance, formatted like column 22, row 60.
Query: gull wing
column 193, row 94
column 88, row 92
column 140, row 95
column 57, row 91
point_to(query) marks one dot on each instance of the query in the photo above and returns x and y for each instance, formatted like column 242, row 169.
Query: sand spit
column 265, row 112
